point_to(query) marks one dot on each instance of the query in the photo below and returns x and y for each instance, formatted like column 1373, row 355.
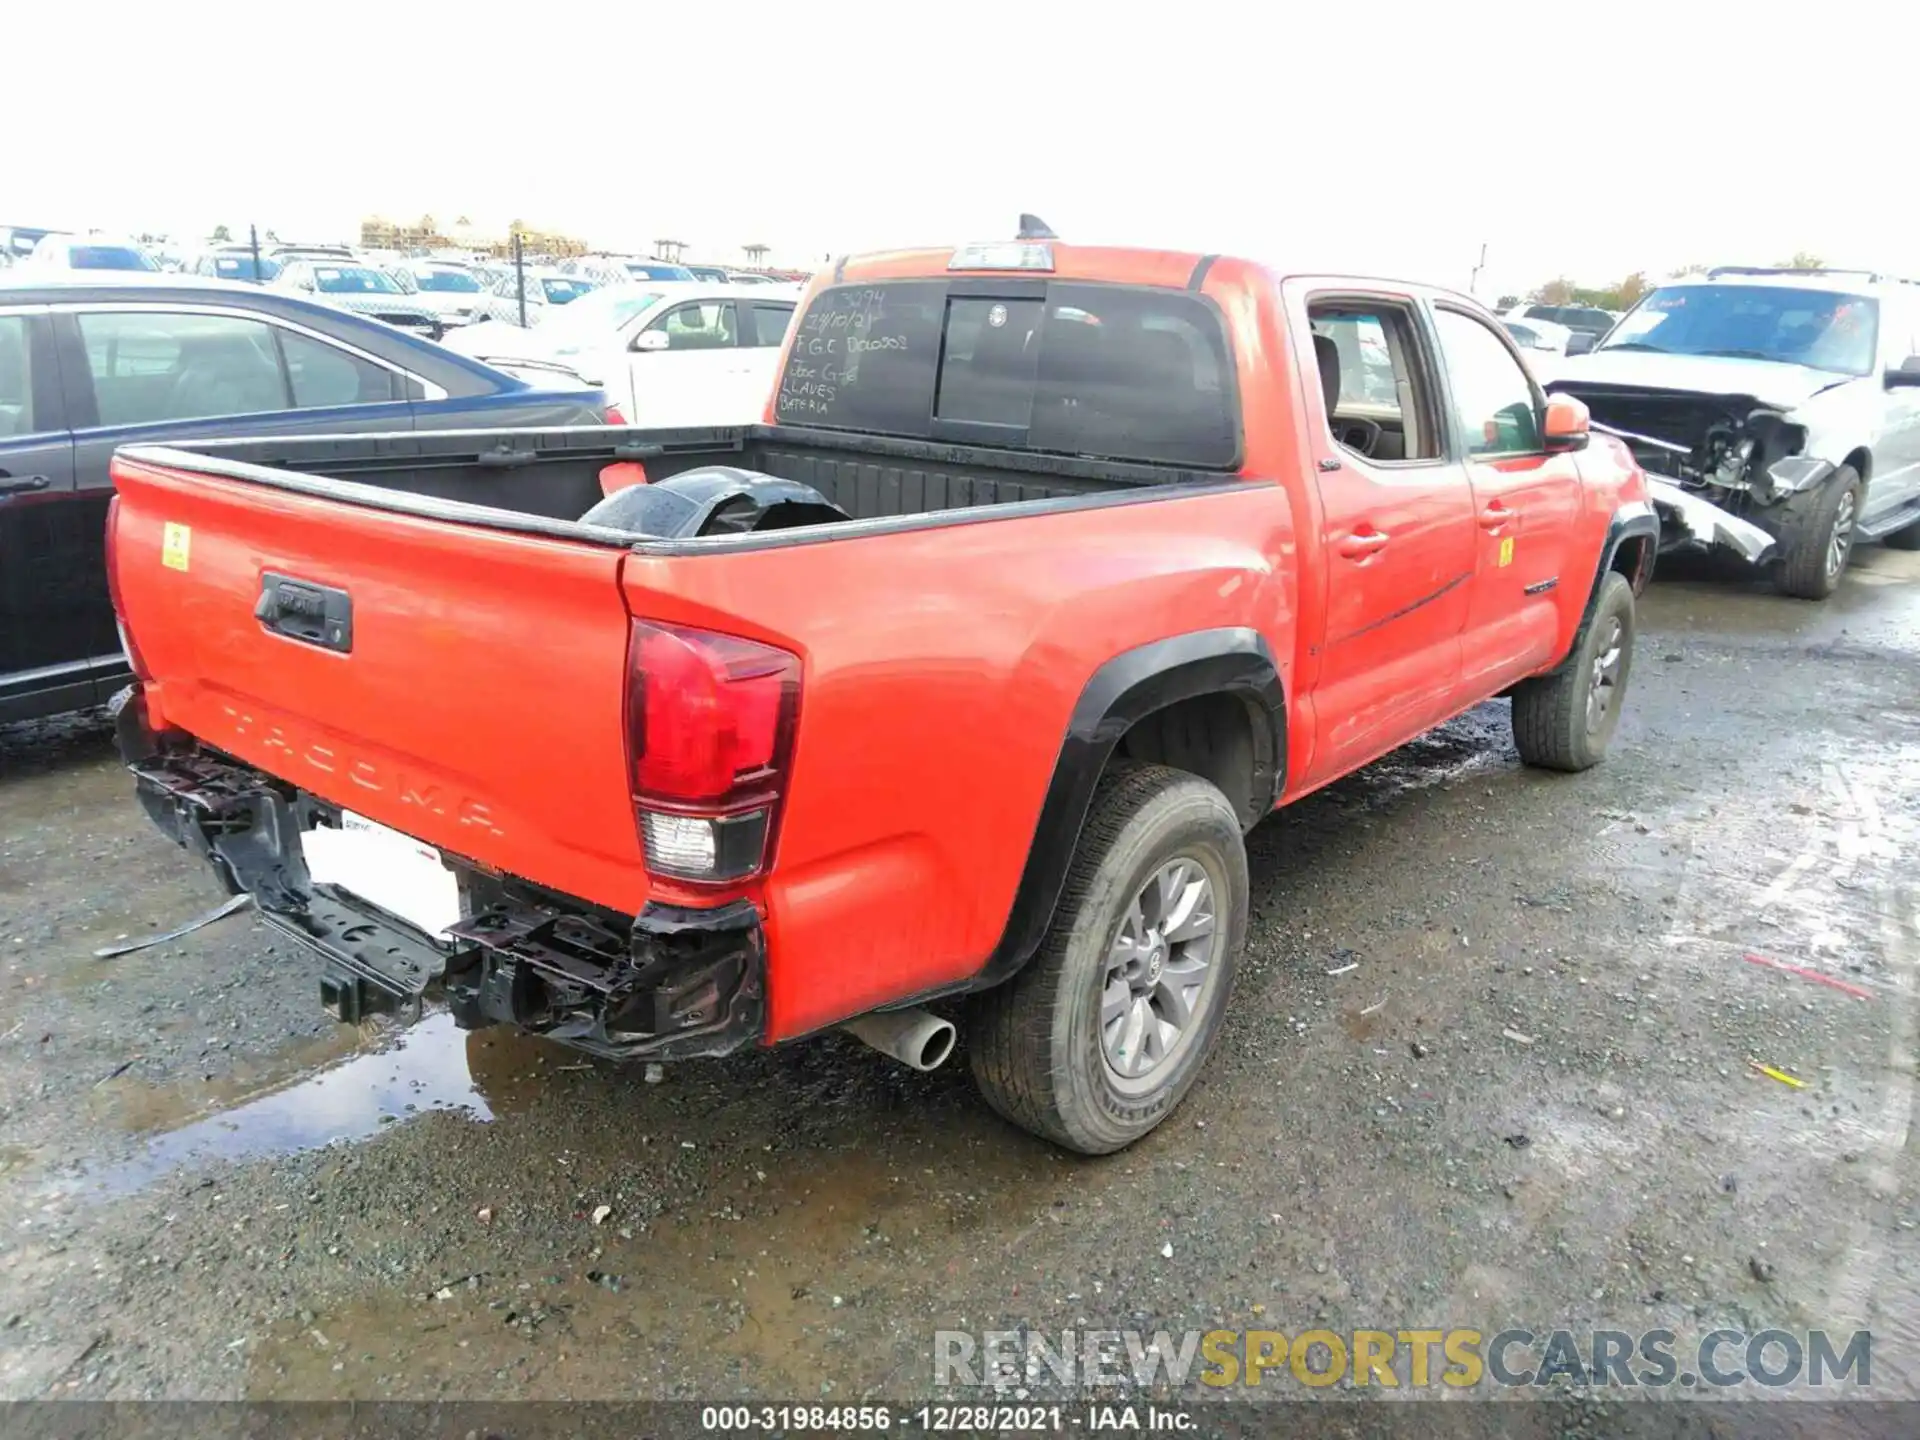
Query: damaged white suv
column 1776, row 412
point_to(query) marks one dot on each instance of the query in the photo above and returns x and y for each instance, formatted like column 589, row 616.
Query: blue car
column 88, row 364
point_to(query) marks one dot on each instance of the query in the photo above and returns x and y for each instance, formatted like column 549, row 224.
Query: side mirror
column 651, row 340
column 1581, row 341
column 1904, row 375
column 1566, row 424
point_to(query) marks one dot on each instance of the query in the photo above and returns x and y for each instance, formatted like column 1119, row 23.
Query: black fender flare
column 1631, row 519
column 1133, row 684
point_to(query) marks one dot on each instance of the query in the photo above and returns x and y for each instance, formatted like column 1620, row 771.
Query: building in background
column 380, row 234
column 536, row 242
column 427, row 234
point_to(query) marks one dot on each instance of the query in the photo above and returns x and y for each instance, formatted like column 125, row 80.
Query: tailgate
column 460, row 683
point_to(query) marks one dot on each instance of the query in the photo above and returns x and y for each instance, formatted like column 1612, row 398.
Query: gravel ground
column 1527, row 1098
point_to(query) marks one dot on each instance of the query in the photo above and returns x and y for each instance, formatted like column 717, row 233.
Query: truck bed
column 345, row 620
column 555, row 474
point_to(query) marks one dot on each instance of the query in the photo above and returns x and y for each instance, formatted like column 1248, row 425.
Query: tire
column 1906, row 538
column 1036, row 1044
column 1562, row 722
column 1814, row 554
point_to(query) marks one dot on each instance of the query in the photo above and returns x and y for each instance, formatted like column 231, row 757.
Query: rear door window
column 1112, row 371
column 16, row 380
column 323, row 375
column 770, row 324
column 151, row 366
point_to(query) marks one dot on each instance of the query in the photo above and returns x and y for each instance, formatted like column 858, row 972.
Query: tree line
column 1624, row 294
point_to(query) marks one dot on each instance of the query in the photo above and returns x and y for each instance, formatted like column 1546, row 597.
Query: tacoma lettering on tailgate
column 389, row 779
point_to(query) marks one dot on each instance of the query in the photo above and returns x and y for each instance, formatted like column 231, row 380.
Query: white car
column 236, row 262
column 452, row 291
column 1775, row 411
column 1587, row 320
column 547, row 291
column 1542, row 343
column 343, row 253
column 362, row 289
column 626, row 270
column 88, row 252
column 666, row 354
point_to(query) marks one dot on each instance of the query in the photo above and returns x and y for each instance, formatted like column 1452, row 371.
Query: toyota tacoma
column 958, row 681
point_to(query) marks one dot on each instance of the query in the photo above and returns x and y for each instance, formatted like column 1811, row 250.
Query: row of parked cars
column 1551, row 332
column 429, row 294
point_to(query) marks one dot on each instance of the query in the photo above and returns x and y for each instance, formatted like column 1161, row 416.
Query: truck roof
column 1823, row 279
column 1173, row 269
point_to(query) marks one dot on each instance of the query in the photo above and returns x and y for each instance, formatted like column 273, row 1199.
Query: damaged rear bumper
column 671, row 983
column 1690, row 521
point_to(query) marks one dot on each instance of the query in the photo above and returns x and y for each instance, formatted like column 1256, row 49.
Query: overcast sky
column 1376, row 137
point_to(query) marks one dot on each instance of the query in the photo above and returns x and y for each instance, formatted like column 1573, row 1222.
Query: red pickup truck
column 1052, row 570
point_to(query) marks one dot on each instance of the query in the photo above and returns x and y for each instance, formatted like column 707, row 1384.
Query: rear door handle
column 1362, row 544
column 1494, row 516
column 20, row 484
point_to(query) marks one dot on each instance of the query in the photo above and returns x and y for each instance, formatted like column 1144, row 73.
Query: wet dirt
column 207, row 1188
column 253, row 1113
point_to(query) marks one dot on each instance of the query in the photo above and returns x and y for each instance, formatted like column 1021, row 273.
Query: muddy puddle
column 126, row 1103
column 1477, row 743
column 425, row 1069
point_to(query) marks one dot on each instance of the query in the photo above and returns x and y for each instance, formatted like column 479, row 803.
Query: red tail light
column 614, row 417
column 140, row 671
column 710, row 721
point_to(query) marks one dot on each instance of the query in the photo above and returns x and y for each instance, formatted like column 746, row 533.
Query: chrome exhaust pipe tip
column 917, row 1038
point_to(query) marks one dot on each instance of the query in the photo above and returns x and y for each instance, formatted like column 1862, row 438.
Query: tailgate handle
column 302, row 610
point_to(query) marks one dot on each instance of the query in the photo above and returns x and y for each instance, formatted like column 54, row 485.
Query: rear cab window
column 1100, row 370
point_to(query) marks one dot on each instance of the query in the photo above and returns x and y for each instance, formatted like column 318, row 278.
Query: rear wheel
column 1815, row 553
column 1566, row 721
column 1105, row 1030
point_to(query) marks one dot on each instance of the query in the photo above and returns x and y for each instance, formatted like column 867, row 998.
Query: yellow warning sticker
column 1506, row 553
column 177, row 541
